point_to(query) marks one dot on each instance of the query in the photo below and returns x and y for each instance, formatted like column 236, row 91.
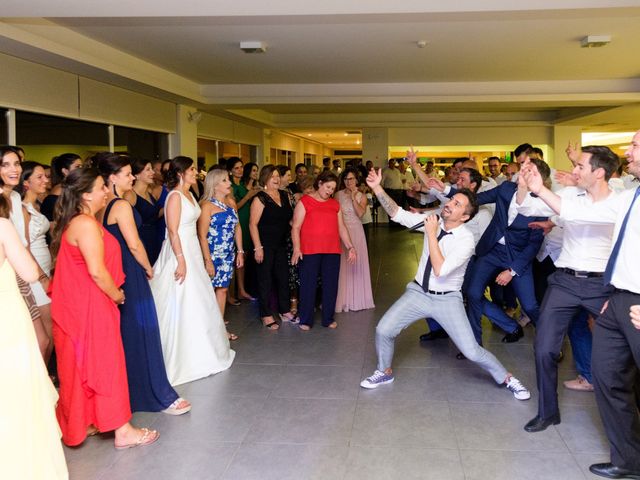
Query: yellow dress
column 30, row 446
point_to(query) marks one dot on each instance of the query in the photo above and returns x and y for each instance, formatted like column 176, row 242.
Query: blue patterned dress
column 221, row 240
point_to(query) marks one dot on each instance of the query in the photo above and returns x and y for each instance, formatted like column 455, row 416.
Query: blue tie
column 608, row 273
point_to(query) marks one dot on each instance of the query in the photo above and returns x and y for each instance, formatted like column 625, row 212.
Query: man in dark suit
column 506, row 249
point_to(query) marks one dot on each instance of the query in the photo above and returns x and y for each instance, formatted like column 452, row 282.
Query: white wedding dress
column 194, row 338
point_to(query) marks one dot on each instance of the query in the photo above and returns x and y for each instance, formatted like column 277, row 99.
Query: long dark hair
column 58, row 163
column 246, row 172
column 69, row 205
column 110, row 163
column 177, row 167
column 28, row 168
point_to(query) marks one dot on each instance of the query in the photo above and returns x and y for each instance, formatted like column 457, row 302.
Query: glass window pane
column 141, row 143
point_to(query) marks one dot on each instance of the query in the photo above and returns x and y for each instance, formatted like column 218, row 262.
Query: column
column 562, row 135
column 185, row 140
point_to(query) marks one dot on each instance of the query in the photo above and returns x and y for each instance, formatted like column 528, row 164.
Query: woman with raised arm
column 194, row 339
column 149, row 389
column 244, row 189
column 85, row 294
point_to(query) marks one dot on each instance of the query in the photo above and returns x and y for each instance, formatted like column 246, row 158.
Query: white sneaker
column 374, row 381
column 519, row 391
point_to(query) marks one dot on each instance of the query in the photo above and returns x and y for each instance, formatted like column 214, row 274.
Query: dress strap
column 108, row 210
column 219, row 204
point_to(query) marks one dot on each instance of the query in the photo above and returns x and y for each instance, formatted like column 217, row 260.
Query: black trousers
column 566, row 295
column 615, row 361
column 273, row 271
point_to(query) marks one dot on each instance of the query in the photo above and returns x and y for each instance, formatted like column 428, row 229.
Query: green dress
column 239, row 192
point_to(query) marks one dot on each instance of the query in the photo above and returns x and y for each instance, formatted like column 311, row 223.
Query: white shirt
column 585, row 247
column 477, row 225
column 407, row 179
column 626, row 274
column 499, row 179
column 490, row 207
column 456, row 249
column 511, row 215
column 392, row 179
column 17, row 217
column 552, row 243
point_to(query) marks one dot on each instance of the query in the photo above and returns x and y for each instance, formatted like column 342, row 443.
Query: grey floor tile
column 327, row 353
column 410, row 384
column 582, row 430
column 478, row 425
column 394, row 423
column 169, row 460
column 91, row 459
column 472, row 384
column 213, row 419
column 501, row 465
column 289, row 421
column 587, row 459
column 384, row 463
column 263, row 461
column 242, row 380
column 318, row 382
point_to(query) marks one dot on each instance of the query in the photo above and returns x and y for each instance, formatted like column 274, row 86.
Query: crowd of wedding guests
column 118, row 272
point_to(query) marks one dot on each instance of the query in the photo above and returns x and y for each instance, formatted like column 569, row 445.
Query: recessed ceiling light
column 422, row 43
column 251, row 46
column 594, row 41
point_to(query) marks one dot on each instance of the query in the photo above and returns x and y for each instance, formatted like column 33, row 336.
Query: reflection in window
column 44, row 136
column 141, row 143
column 4, row 127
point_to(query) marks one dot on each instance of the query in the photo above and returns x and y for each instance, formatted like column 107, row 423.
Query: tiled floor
column 291, row 408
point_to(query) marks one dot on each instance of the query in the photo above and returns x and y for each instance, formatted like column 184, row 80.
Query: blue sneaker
column 378, row 378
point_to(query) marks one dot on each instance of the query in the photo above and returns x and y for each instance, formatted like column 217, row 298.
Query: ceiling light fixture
column 594, row 41
column 421, row 43
column 251, row 46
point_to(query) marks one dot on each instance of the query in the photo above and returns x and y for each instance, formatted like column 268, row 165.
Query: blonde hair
column 211, row 181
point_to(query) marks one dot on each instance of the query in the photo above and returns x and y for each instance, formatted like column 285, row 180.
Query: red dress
column 86, row 334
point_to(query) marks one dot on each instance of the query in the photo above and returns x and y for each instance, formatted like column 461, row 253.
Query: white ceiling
column 348, row 64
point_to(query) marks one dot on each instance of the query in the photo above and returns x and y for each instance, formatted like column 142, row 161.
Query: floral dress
column 221, row 240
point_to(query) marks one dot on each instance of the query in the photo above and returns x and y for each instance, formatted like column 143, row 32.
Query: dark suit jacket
column 522, row 242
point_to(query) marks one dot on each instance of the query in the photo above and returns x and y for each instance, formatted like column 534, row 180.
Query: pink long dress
column 354, row 284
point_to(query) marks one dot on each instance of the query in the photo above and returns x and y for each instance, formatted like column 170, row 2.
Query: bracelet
column 257, row 248
column 240, row 251
column 179, row 255
column 42, row 277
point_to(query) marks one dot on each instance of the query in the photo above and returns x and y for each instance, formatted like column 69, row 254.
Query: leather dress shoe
column 538, row 424
column 609, row 470
column 434, row 335
column 514, row 336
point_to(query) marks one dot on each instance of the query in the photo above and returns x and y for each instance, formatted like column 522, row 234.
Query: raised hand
column 573, row 152
column 533, row 179
column 565, row 179
column 374, row 178
column 412, row 158
column 435, row 183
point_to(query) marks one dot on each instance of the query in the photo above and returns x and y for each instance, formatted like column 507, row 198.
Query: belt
column 578, row 274
column 432, row 292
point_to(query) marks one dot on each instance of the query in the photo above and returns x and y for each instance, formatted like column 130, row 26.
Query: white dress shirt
column 585, row 247
column 511, row 215
column 626, row 274
column 456, row 249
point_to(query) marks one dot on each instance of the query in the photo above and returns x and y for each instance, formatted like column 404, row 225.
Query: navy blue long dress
column 149, row 230
column 149, row 389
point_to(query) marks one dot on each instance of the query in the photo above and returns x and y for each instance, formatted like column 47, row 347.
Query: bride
column 194, row 338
